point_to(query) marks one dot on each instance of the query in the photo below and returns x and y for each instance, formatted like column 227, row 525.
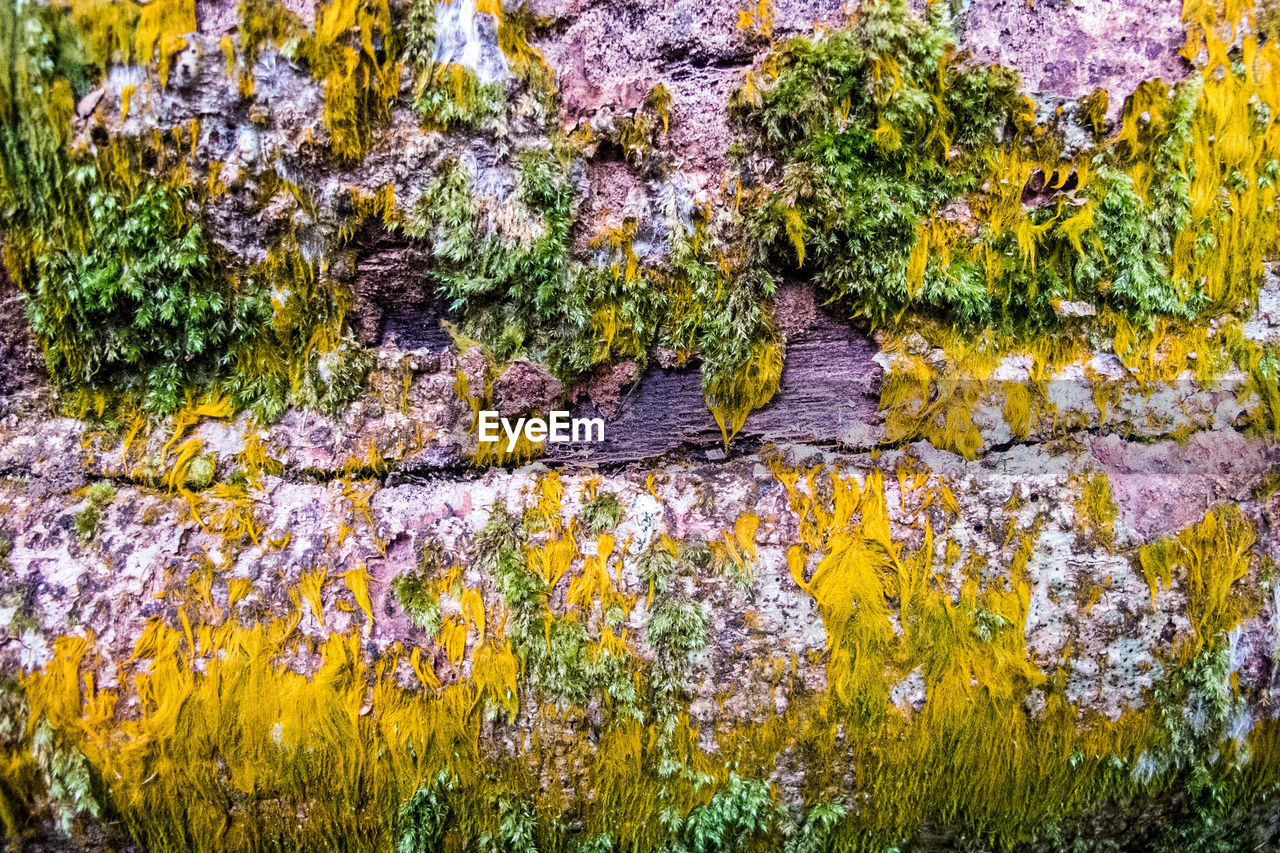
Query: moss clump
column 69, row 782
column 637, row 134
column 515, row 28
column 45, row 73
column 716, row 309
column 420, row 822
column 520, row 294
column 451, row 96
column 741, row 815
column 355, row 51
column 675, row 631
column 45, row 777
column 301, row 354
column 139, row 310
column 334, row 379
column 509, row 288
column 569, row 657
column 677, row 628
column 1264, row 380
column 873, row 131
column 123, row 288
column 447, row 96
column 1092, row 114
column 199, row 472
column 263, row 23
column 1208, row 561
column 601, row 514
column 132, row 32
column 877, row 128
column 96, row 499
column 877, row 133
column 417, row 596
column 1267, row 485
column 20, row 780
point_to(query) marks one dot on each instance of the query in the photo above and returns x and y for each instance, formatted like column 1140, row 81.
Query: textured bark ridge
column 395, row 303
column 828, row 390
column 938, row 349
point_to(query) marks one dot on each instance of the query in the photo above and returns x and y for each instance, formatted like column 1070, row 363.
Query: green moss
column 903, row 182
column 46, row 779
column 878, row 131
column 140, row 310
column 420, row 822
column 558, row 654
column 301, row 355
column 601, row 514
column 45, row 72
column 334, row 379
column 201, row 471
column 676, row 629
column 419, row 32
column 516, row 831
column 1264, row 380
column 1134, row 235
column 416, row 594
column 96, row 499
column 637, row 134
column 71, row 788
column 447, row 96
column 695, row 554
column 18, row 784
column 520, row 294
column 508, row 289
column 741, row 815
column 926, row 195
column 450, row 96
column 655, row 566
column 122, row 286
column 1210, row 809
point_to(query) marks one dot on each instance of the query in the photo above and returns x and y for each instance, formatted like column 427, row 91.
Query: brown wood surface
column 829, row 382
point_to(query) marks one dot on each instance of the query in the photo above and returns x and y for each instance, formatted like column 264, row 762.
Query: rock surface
column 315, row 517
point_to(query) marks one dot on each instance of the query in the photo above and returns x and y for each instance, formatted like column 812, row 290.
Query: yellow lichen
column 1095, row 510
column 732, row 398
column 130, row 32
column 1207, row 561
